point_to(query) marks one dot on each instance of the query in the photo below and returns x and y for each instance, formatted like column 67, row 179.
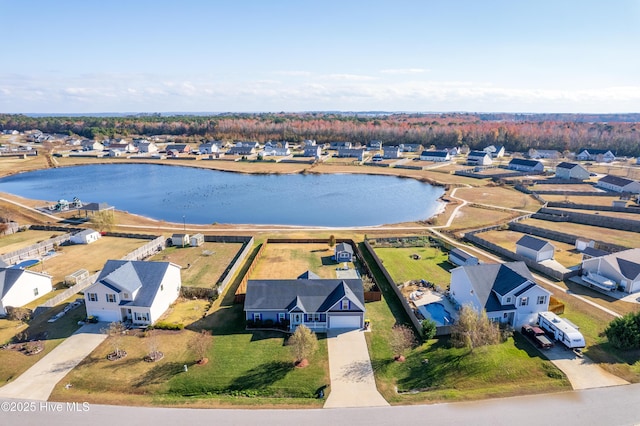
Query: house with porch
column 343, row 252
column 20, row 286
column 135, row 291
column 319, row 304
column 506, row 291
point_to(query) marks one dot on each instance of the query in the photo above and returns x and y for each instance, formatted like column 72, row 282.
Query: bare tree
column 402, row 339
column 103, row 220
column 115, row 331
column 200, row 343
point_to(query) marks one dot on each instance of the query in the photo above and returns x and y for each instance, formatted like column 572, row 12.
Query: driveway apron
column 38, row 382
column 581, row 371
column 352, row 381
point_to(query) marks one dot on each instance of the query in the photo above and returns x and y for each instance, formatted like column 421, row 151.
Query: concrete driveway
column 581, row 372
column 352, row 381
column 38, row 382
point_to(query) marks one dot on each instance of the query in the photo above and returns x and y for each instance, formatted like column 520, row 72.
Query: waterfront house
column 438, row 156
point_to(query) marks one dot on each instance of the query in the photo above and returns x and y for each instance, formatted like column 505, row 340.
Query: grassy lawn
column 581, row 199
column 573, row 187
column 20, row 240
column 204, row 271
column 499, row 196
column 288, row 261
column 565, row 254
column 623, row 238
column 185, row 311
column 469, row 217
column 433, row 265
column 15, row 363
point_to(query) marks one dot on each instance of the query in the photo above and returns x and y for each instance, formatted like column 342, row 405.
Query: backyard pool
column 436, row 312
column 25, row 264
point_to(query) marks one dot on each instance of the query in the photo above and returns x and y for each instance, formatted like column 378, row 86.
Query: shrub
column 624, row 333
column 402, row 339
column 268, row 323
column 428, row 329
column 161, row 325
column 18, row 314
column 303, row 343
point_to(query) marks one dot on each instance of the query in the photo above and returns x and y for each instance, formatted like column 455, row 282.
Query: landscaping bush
column 161, row 325
column 198, row 293
column 18, row 314
column 428, row 329
column 268, row 323
column 624, row 333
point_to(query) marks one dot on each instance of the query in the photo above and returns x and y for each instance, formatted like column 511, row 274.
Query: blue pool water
column 25, row 264
column 437, row 312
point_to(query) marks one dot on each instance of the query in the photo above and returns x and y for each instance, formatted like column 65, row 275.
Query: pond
column 202, row 196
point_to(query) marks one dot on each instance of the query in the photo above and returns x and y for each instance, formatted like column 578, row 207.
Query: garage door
column 350, row 321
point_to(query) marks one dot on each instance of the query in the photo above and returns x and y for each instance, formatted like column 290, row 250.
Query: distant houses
column 566, row 170
column 523, row 165
column 619, row 184
column 437, row 156
column 357, row 153
column 495, row 152
column 600, row 155
column 391, row 152
column 479, row 158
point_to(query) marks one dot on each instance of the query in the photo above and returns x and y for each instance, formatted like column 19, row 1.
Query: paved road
column 38, row 382
column 352, row 380
column 612, row 406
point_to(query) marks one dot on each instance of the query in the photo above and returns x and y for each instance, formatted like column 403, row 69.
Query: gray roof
column 477, row 154
column 8, row 277
column 565, row 165
column 308, row 275
column 616, row 180
column 340, row 247
column 129, row 276
column 499, row 278
column 461, row 254
column 594, row 252
column 310, row 295
column 434, row 153
column 96, row 207
column 85, row 232
column 594, row 151
column 524, row 162
column 532, row 243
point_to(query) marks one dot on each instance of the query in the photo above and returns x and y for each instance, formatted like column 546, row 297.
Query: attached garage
column 346, row 321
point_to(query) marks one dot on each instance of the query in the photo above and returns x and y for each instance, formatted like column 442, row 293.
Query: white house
column 601, row 155
column 89, row 145
column 619, row 184
column 210, row 147
column 544, row 153
column 460, row 257
column 134, row 291
column 391, row 152
column 494, row 152
column 180, row 240
column 354, row 153
column 86, row 236
column 479, row 158
column 147, row 147
column 566, row 170
column 507, row 292
column 534, row 248
column 522, row 165
column 312, row 151
column 438, row 156
column 343, row 252
column 276, row 151
column 20, row 286
column 622, row 268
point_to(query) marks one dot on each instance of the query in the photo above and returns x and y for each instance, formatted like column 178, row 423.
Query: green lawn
column 433, row 265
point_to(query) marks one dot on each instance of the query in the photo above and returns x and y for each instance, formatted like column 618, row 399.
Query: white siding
column 169, row 293
column 24, row 289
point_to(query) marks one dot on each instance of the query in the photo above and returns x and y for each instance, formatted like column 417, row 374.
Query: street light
column 184, row 224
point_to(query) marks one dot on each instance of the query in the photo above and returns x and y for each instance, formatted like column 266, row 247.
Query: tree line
column 619, row 133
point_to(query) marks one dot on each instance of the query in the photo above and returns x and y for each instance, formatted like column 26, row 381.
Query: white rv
column 563, row 330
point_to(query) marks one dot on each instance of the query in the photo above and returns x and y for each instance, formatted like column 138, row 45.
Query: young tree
column 473, row 329
column 200, row 343
column 402, row 339
column 429, row 329
column 624, row 333
column 115, row 331
column 103, row 220
column 332, row 241
column 153, row 346
column 303, row 343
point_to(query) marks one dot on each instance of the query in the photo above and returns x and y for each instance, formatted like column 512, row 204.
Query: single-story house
column 523, row 165
column 20, row 286
column 460, row 257
column 147, row 147
column 479, row 158
column 534, row 248
column 86, row 236
column 135, row 291
column 319, row 304
column 494, row 151
column 623, row 268
column 115, row 153
column 566, row 170
column 89, row 145
column 351, row 153
column 343, row 252
column 312, row 151
column 196, row 240
column 276, row 151
column 181, row 148
column 537, row 154
column 180, row 240
column 507, row 292
column 619, row 184
column 439, row 156
column 600, row 155
column 391, row 152
column 241, row 150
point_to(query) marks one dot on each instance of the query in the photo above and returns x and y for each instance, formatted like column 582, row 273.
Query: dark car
column 537, row 335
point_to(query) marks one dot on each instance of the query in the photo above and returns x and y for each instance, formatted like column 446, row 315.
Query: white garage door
column 351, row 321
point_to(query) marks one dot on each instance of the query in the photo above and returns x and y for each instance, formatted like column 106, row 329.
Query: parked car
column 537, row 336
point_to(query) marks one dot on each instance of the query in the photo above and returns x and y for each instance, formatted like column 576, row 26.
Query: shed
column 460, row 257
column 180, row 240
column 534, row 248
column 76, row 277
column 196, row 240
column 343, row 252
column 87, row 236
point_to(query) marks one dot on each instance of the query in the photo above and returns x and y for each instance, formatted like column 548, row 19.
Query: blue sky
column 307, row 55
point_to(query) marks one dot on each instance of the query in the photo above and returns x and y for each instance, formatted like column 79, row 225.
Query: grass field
column 204, row 270
column 574, row 188
column 499, row 196
column 582, row 199
column 433, row 265
column 288, row 261
column 470, row 217
column 20, row 240
column 565, row 254
column 623, row 238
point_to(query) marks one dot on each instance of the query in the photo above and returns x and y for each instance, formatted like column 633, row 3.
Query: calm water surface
column 208, row 196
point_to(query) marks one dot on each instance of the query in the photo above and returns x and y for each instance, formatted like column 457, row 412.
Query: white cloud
column 402, row 71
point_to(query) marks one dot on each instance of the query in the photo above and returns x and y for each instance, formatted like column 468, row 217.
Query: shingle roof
column 501, row 278
column 308, row 275
column 313, row 295
column 532, row 243
column 524, row 162
column 477, row 154
column 461, row 254
column 344, row 247
column 8, row 277
column 434, row 153
column 565, row 165
column 594, row 252
column 616, row 180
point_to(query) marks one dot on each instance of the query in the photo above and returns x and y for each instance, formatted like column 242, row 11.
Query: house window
column 509, row 299
column 524, row 301
column 35, row 291
column 542, row 300
column 141, row 317
column 345, row 305
column 316, row 317
column 111, row 298
column 161, row 287
column 257, row 317
column 93, row 297
column 125, row 295
column 281, row 317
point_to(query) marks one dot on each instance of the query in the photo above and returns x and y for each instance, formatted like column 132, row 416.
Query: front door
column 296, row 319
